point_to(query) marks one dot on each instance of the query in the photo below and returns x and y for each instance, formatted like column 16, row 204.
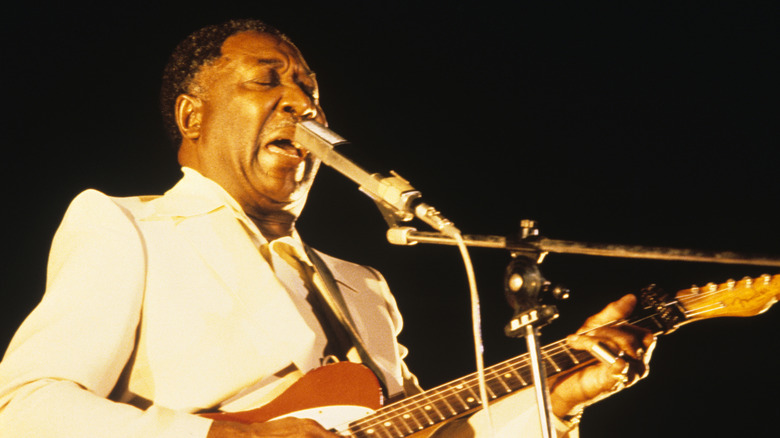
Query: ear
column 189, row 113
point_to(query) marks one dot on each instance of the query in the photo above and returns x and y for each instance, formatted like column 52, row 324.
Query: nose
column 299, row 104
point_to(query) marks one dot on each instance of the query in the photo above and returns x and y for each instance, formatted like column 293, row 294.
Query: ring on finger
column 621, row 378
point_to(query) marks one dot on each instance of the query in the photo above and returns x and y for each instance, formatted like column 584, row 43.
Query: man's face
column 252, row 97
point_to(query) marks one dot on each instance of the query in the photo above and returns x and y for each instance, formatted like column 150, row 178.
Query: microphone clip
column 395, row 197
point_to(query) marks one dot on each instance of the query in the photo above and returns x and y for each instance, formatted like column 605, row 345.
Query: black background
column 643, row 123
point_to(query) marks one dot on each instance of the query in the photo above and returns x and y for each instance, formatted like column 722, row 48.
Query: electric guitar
column 347, row 398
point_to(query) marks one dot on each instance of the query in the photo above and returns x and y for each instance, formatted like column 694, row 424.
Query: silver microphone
column 392, row 192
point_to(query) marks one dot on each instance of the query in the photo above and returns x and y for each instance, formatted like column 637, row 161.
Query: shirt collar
column 211, row 197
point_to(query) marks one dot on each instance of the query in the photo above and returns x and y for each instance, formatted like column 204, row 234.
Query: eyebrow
column 269, row 61
column 277, row 62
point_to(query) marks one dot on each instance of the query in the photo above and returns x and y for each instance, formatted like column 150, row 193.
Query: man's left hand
column 623, row 350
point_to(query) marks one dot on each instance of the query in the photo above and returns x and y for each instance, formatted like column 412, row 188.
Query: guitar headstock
column 746, row 297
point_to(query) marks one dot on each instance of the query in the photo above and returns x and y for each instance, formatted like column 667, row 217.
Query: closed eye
column 308, row 84
column 269, row 78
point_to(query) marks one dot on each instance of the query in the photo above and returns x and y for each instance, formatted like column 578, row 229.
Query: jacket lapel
column 225, row 246
column 360, row 297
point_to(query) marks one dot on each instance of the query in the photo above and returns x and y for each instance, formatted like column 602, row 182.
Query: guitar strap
column 330, row 294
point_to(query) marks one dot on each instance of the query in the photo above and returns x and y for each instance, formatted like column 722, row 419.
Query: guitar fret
column 496, row 378
column 418, row 425
column 565, row 358
column 411, row 421
column 460, row 399
column 389, row 424
column 449, row 406
column 500, row 379
column 525, row 371
column 419, row 418
column 423, row 410
column 572, row 356
column 433, row 406
column 375, row 432
column 520, row 378
column 428, row 406
column 472, row 399
column 550, row 359
column 405, row 423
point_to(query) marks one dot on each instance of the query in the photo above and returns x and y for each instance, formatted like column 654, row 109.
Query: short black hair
column 198, row 49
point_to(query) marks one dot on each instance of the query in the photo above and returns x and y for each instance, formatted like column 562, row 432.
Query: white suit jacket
column 157, row 307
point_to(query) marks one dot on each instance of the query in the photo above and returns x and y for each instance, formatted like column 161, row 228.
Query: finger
column 614, row 311
column 621, row 367
column 624, row 372
column 645, row 349
column 629, row 370
column 628, row 338
column 650, row 343
column 608, row 379
column 634, row 341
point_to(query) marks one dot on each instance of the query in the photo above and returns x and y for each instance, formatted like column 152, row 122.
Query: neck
column 274, row 227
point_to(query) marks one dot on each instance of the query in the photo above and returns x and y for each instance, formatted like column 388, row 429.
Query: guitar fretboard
column 461, row 396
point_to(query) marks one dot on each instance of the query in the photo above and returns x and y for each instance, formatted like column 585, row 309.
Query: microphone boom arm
column 543, row 246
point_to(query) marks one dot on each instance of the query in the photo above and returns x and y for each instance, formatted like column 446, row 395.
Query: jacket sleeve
column 65, row 359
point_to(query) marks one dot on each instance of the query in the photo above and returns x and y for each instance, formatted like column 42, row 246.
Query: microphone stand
column 542, row 246
column 523, row 282
column 522, row 285
column 399, row 202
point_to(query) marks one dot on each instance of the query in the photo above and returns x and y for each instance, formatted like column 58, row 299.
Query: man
column 158, row 308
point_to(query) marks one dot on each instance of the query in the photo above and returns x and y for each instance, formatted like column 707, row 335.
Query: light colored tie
column 331, row 304
column 338, row 341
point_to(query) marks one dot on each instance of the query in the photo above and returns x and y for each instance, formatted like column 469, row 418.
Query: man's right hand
column 285, row 427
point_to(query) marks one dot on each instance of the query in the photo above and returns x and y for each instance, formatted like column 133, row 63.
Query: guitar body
column 342, row 386
column 333, row 395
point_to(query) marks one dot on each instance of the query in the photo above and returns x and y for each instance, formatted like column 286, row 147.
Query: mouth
column 287, row 148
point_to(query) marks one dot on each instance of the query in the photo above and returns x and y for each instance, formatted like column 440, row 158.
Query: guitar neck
column 461, row 396
column 747, row 297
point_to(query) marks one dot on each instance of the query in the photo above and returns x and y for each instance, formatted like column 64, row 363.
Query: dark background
column 643, row 123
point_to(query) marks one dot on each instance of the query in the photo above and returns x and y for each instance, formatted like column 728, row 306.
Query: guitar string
column 468, row 382
column 448, row 390
column 400, row 410
column 750, row 284
column 455, row 388
column 451, row 391
column 698, row 298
